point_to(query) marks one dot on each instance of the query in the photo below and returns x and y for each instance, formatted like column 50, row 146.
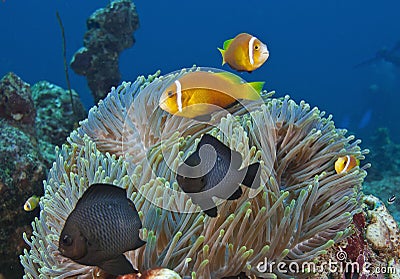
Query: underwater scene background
column 340, row 56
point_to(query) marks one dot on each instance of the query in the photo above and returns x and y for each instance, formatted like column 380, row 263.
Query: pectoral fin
column 212, row 212
column 237, row 194
column 118, row 266
column 206, row 204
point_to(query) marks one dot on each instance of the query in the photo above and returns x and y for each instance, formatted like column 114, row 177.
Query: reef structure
column 371, row 252
column 109, row 32
column 16, row 103
column 301, row 208
column 26, row 152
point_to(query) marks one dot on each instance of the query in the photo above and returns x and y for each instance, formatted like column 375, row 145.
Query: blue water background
column 313, row 45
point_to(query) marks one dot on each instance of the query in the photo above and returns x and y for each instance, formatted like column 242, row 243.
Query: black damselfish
column 103, row 225
column 213, row 170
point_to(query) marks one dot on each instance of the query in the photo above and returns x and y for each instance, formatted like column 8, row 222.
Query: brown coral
column 382, row 232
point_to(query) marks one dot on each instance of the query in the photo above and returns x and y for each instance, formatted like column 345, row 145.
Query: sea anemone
column 301, row 208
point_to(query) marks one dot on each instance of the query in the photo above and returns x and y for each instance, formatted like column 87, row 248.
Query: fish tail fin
column 223, row 55
column 257, row 85
column 253, row 92
column 252, row 177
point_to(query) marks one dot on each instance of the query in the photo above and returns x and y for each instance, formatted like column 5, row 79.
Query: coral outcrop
column 55, row 116
column 16, row 103
column 23, row 160
column 382, row 231
column 21, row 174
column 300, row 210
column 371, row 251
column 109, row 32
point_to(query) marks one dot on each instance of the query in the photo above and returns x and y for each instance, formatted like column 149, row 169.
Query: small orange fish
column 346, row 163
column 31, row 203
column 200, row 93
column 244, row 53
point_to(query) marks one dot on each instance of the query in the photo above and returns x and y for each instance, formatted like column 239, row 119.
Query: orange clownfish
column 244, row 53
column 346, row 163
column 201, row 93
column 31, row 203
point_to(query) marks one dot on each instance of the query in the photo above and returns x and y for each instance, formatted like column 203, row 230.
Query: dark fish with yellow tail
column 213, row 171
column 103, row 225
column 244, row 53
column 201, row 93
column 346, row 163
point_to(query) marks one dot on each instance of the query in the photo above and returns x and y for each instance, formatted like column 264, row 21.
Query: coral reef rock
column 16, row 104
column 300, row 209
column 21, row 174
column 371, row 251
column 55, row 117
column 383, row 232
column 24, row 121
column 385, row 188
column 109, row 32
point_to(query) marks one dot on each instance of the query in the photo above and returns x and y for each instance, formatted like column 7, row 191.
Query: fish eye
column 256, row 47
column 170, row 93
column 67, row 240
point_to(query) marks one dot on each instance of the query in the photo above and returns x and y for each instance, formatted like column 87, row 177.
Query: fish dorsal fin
column 227, row 43
column 100, row 191
column 252, row 93
column 257, row 85
column 231, row 77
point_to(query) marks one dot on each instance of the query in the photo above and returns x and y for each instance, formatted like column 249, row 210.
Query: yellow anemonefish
column 31, row 203
column 201, row 93
column 244, row 53
column 346, row 163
